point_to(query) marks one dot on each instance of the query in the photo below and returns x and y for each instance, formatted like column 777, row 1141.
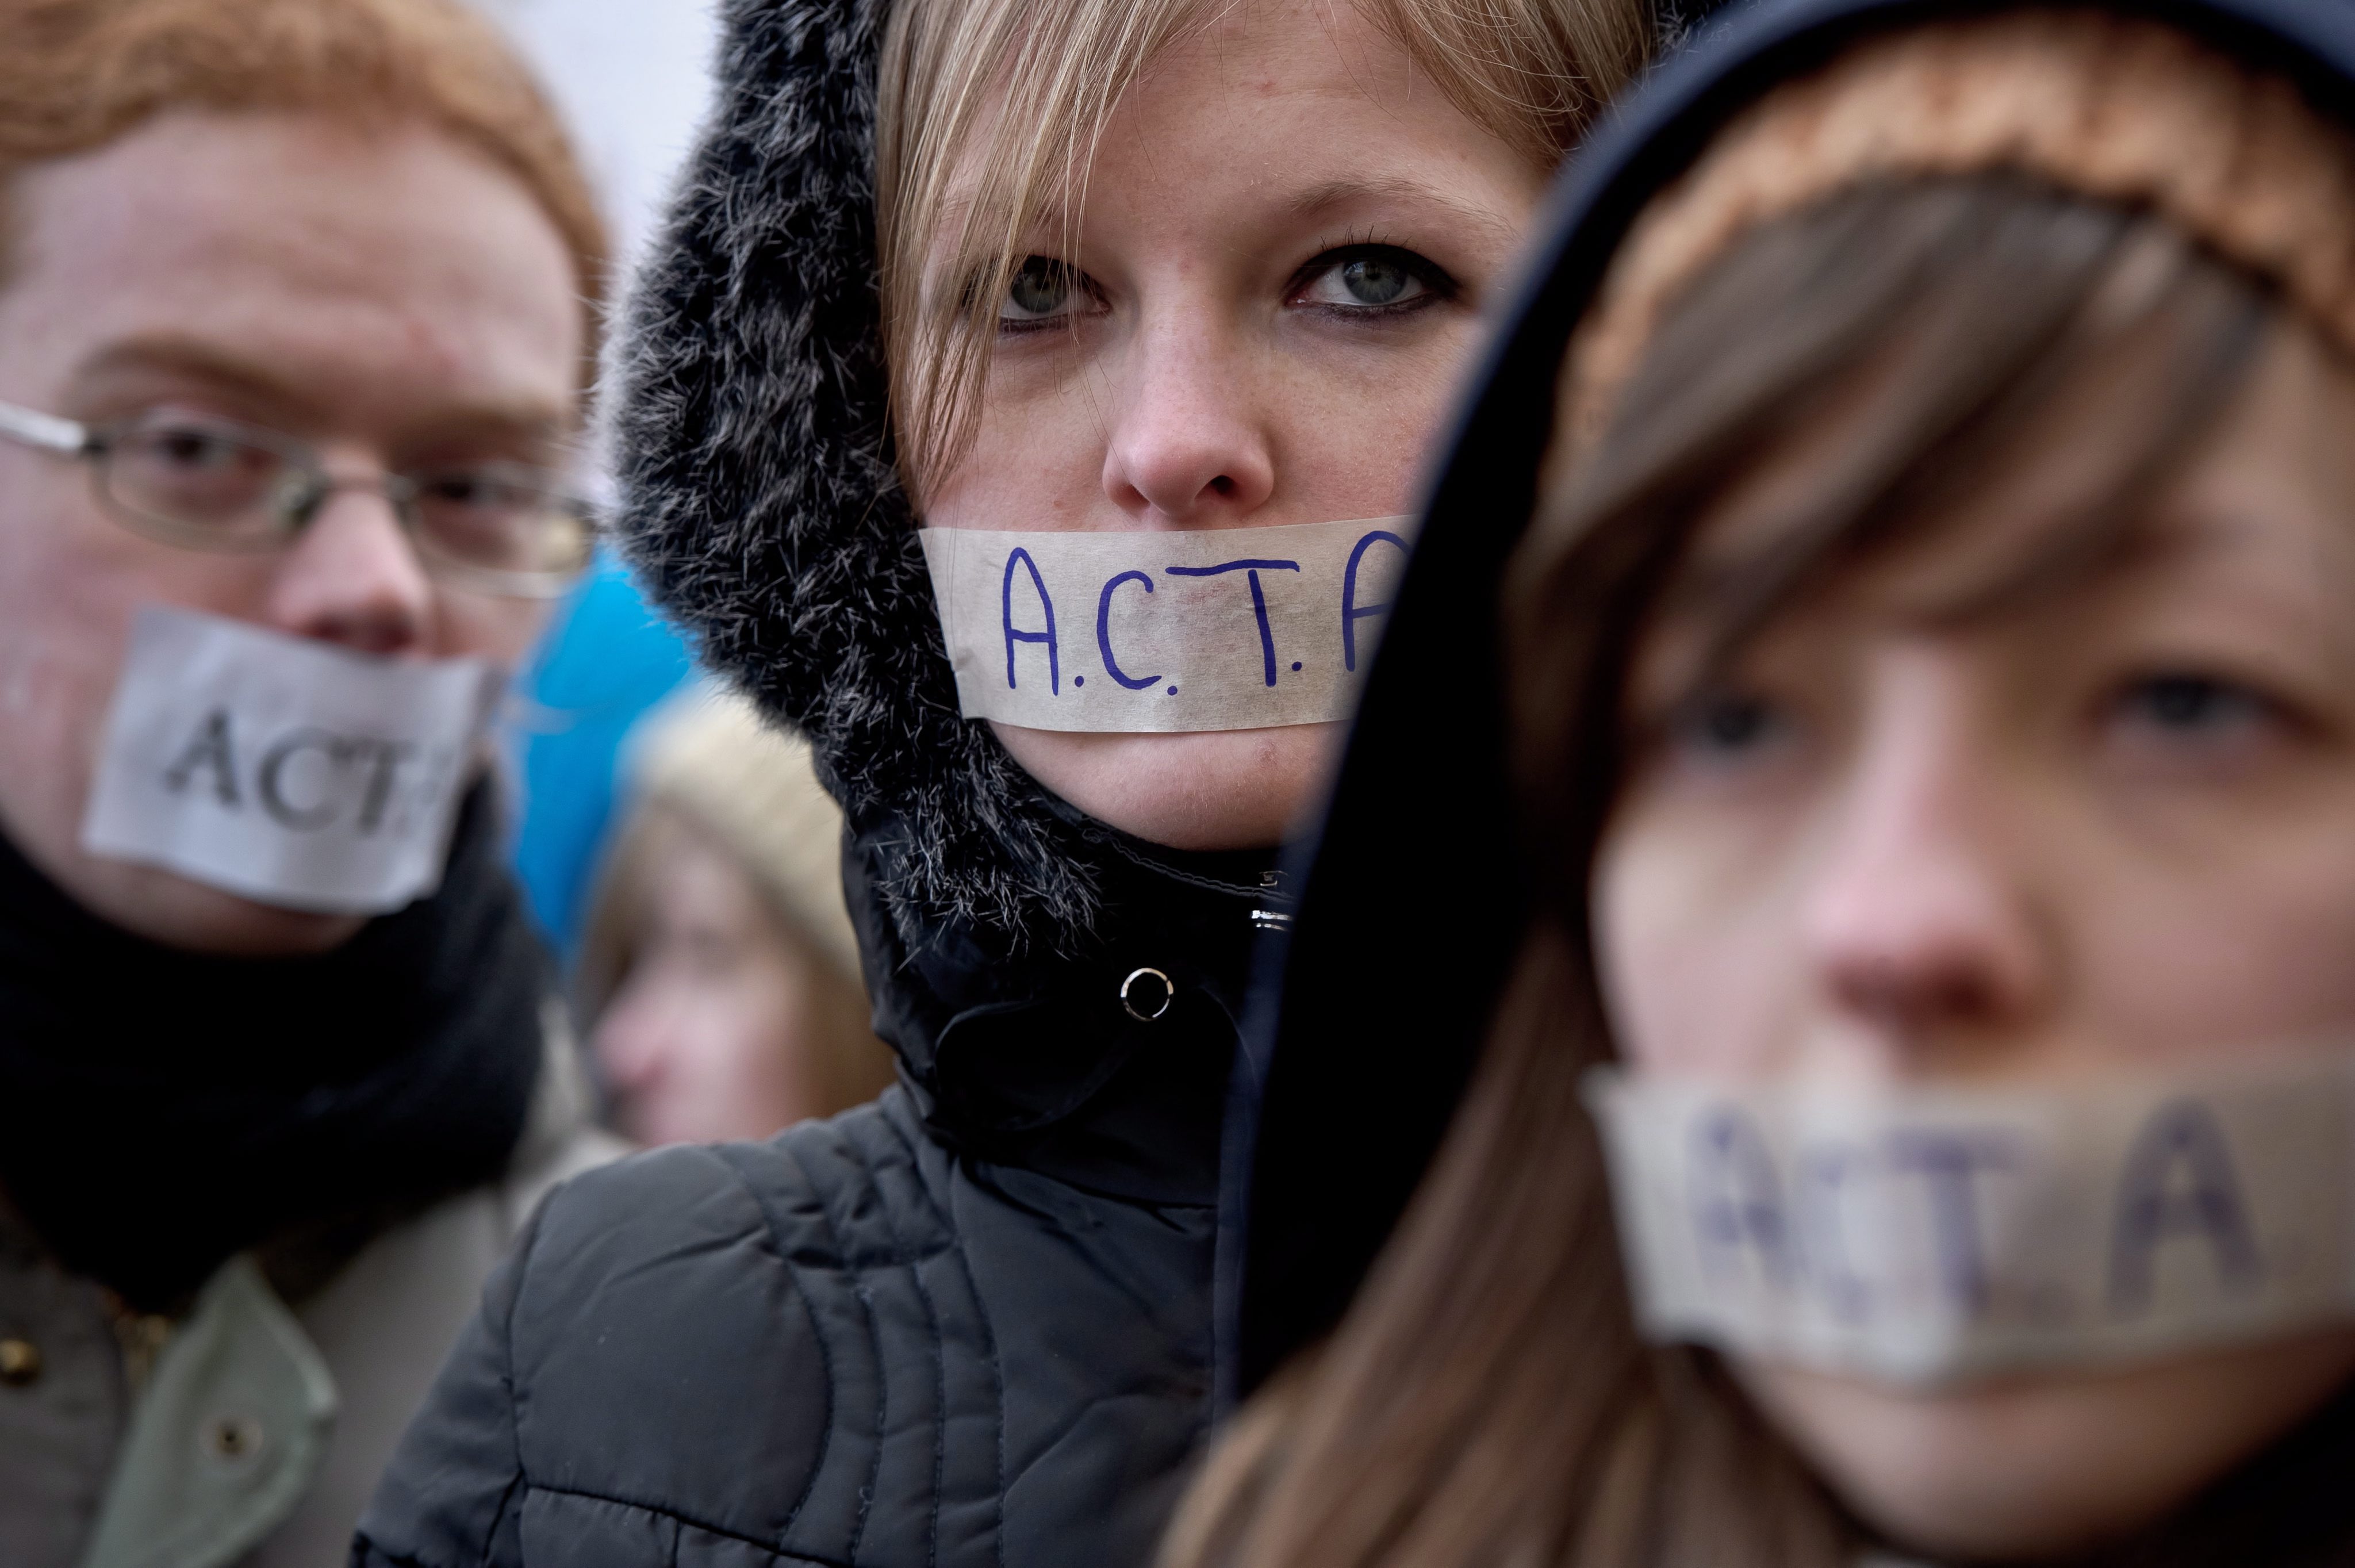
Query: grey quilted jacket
column 968, row 1324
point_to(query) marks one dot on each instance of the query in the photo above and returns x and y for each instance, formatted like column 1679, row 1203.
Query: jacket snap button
column 231, row 1439
column 20, row 1362
column 1146, row 993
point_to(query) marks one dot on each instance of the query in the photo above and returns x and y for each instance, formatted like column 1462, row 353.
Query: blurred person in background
column 1152, row 275
column 1901, row 1051
column 633, row 80
column 719, row 984
column 296, row 309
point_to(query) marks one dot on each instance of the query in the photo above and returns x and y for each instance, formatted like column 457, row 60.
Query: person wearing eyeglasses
column 297, row 304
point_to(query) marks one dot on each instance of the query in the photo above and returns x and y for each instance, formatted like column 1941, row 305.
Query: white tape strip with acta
column 1194, row 629
column 1923, row 1236
column 283, row 769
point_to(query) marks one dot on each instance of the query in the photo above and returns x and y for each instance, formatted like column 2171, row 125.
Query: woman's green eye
column 1040, row 288
column 1374, row 280
column 1371, row 281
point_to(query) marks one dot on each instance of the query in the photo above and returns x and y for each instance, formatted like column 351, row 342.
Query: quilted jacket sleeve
column 449, row 1497
column 646, row 1383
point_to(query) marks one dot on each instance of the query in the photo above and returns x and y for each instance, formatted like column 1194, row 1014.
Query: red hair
column 77, row 74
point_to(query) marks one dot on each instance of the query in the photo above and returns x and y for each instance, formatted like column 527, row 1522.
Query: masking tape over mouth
column 1924, row 1236
column 1165, row 630
column 283, row 769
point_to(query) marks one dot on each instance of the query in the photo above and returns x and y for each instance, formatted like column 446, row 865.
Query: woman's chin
column 1218, row 789
column 2041, row 1466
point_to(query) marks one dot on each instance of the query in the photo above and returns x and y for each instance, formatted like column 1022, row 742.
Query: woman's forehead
column 1268, row 113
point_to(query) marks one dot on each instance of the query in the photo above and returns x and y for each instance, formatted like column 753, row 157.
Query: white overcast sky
column 633, row 78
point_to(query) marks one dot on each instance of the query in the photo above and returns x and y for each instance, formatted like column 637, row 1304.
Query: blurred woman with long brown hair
column 1893, row 1094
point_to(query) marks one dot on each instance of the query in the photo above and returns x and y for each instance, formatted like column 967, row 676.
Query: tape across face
column 282, row 769
column 1922, row 1237
column 1160, row 631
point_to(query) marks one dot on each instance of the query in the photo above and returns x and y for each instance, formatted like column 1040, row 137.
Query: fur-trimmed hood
column 761, row 500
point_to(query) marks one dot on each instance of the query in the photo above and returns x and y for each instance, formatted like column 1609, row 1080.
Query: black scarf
column 161, row 1110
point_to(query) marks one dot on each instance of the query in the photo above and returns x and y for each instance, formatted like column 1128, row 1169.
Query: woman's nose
column 629, row 1041
column 352, row 577
column 1923, row 921
column 1188, row 447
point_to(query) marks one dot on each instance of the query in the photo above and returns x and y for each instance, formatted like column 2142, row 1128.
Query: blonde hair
column 77, row 74
column 706, row 764
column 1021, row 90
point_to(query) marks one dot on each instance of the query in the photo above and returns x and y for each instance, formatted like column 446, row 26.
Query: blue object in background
column 606, row 659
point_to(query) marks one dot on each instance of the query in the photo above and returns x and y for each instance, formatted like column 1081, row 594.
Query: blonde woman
column 1175, row 272
column 1907, row 1026
column 718, row 987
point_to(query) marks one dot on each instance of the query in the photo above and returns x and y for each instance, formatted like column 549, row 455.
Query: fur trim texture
column 761, row 503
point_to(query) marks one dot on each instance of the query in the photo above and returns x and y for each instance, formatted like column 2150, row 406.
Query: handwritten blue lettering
column 2153, row 1210
column 1005, row 615
column 1252, row 569
column 1103, row 632
column 1351, row 610
column 1737, row 1203
column 1818, row 1200
column 1948, row 1163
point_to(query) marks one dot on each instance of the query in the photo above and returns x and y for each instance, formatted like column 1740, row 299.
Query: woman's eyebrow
column 1328, row 196
column 2065, row 560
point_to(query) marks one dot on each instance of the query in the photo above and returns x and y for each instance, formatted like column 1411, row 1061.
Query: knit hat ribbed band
column 2118, row 108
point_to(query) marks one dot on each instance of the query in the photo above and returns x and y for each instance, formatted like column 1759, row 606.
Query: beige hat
column 709, row 756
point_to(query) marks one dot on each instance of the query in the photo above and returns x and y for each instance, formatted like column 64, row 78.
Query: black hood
column 1406, row 928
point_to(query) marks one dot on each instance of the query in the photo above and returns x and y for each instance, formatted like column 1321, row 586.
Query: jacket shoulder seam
column 989, row 1354
column 676, row 1517
column 940, row 1350
column 518, row 1476
column 728, row 1159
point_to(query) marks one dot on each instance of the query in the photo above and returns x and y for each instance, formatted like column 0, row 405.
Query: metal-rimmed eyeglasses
column 213, row 483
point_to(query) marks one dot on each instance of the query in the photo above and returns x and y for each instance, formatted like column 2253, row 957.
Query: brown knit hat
column 2117, row 108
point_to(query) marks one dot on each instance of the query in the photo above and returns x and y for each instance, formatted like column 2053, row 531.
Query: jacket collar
column 1105, row 1065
